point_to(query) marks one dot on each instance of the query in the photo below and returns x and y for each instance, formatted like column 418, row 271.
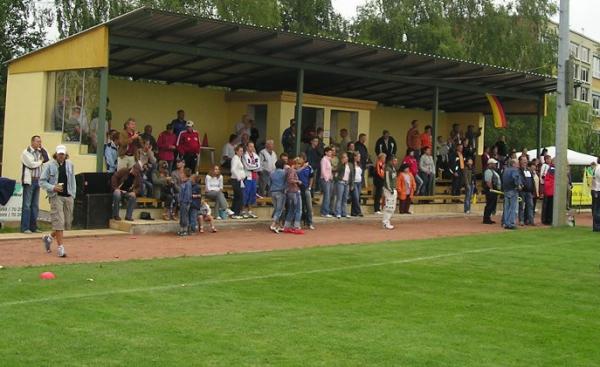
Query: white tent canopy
column 574, row 158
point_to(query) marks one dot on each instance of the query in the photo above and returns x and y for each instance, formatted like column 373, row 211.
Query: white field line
column 257, row 277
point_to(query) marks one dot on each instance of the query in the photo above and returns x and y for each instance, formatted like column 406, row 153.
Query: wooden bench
column 143, row 202
column 442, row 198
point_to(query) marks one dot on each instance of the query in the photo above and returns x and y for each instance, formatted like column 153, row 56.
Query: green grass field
column 511, row 299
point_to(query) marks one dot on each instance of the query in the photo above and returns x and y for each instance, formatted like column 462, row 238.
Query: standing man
column 179, row 123
column 426, row 138
column 526, row 212
column 491, row 181
column 596, row 198
column 344, row 140
column 129, row 143
column 386, row 144
column 147, row 136
column 126, row 182
column 268, row 157
column 326, row 183
column 472, row 137
column 32, row 159
column 58, row 179
column 188, row 146
column 457, row 167
column 413, row 139
column 427, row 172
column 502, row 148
column 288, row 139
column 511, row 185
column 313, row 157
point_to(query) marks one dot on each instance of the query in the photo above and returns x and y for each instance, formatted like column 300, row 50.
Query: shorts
column 61, row 212
column 249, row 192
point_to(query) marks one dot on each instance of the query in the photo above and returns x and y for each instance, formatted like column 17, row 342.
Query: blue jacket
column 196, row 202
column 304, row 175
column 511, row 179
column 110, row 156
column 49, row 178
column 278, row 181
column 185, row 193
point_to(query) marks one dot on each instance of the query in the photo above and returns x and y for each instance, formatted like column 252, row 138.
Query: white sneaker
column 388, row 226
column 229, row 212
column 338, row 216
column 61, row 251
column 252, row 215
column 347, row 216
column 47, row 240
column 378, row 212
column 274, row 229
column 311, row 227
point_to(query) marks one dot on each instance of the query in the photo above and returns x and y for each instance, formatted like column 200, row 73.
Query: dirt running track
column 232, row 240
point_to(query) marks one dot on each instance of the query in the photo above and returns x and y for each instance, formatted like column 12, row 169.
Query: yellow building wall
column 157, row 104
column 86, row 50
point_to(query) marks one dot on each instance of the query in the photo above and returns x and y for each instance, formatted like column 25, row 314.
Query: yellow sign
column 580, row 196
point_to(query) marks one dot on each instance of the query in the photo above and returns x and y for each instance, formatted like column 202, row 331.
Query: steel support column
column 298, row 115
column 102, row 123
column 540, row 118
column 434, row 128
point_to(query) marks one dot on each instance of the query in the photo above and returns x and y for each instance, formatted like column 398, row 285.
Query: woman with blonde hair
column 214, row 190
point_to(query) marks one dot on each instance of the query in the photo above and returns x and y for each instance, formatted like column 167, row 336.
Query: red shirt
column 549, row 182
column 165, row 141
column 130, row 147
column 412, row 164
column 425, row 141
column 188, row 142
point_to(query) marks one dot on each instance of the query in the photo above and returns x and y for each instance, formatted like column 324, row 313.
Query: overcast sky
column 584, row 17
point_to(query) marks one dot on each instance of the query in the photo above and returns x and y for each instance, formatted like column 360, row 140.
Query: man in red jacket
column 188, row 146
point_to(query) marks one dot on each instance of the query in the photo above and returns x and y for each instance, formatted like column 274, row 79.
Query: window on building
column 584, row 54
column 574, row 48
column 596, row 66
column 596, row 104
column 575, row 71
column 72, row 106
column 585, row 94
column 576, row 92
column 585, row 74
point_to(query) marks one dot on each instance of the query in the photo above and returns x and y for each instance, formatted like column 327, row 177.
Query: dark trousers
column 355, row 195
column 30, row 208
column 238, row 196
column 191, row 161
column 378, row 183
column 427, row 187
column 491, row 201
column 596, row 211
column 547, row 211
column 405, row 205
column 456, row 183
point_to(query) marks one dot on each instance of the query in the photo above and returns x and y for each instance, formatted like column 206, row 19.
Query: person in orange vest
column 188, row 146
column 405, row 187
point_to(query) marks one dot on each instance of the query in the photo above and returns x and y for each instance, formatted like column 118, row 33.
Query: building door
column 259, row 114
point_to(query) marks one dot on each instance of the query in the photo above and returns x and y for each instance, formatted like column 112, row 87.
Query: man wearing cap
column 129, row 143
column 58, row 179
column 126, row 182
column 491, row 181
column 188, row 146
column 32, row 159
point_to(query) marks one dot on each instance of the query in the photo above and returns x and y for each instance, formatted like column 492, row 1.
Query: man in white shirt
column 268, row 157
column 596, row 197
column 241, row 128
column 32, row 159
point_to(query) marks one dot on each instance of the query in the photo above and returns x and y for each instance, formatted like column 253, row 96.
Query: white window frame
column 596, row 103
column 574, row 49
column 584, row 52
column 584, row 74
column 596, row 66
column 584, row 92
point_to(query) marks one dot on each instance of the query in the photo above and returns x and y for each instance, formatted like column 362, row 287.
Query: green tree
column 23, row 30
column 74, row 16
column 312, row 17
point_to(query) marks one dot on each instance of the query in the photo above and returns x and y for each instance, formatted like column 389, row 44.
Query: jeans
column 193, row 219
column 511, row 208
column 307, row 207
column 427, row 187
column 468, row 196
column 294, row 209
column 405, row 205
column 264, row 183
column 219, row 198
column 491, row 201
column 117, row 200
column 31, row 206
column 341, row 198
column 184, row 216
column 326, row 188
column 238, row 196
column 456, row 184
column 278, row 199
column 355, row 208
column 596, row 211
column 526, row 208
column 419, row 182
column 548, row 207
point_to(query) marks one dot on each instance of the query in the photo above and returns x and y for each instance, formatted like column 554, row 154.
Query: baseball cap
column 492, row 161
column 61, row 149
column 189, row 123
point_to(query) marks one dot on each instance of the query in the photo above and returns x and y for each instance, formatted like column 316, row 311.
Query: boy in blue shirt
column 195, row 205
column 305, row 175
column 185, row 201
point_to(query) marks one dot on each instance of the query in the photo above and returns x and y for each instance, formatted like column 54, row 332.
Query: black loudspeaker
column 92, row 211
column 93, row 183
